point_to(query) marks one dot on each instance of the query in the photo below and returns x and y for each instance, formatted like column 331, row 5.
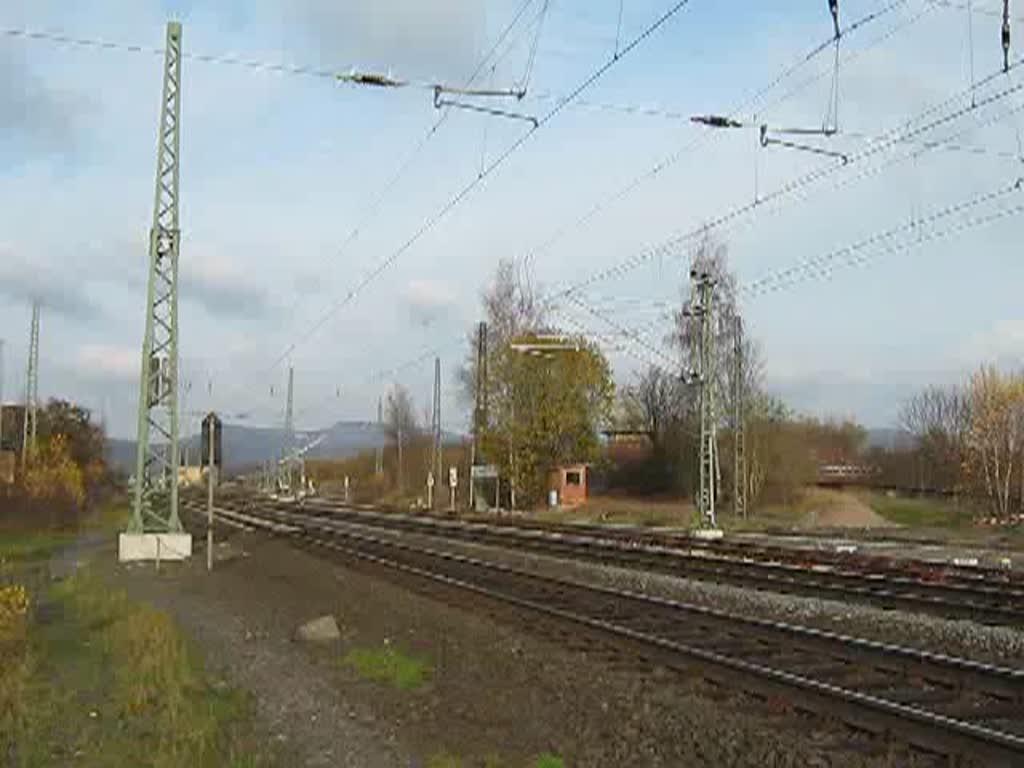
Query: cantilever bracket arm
column 767, row 140
column 440, row 102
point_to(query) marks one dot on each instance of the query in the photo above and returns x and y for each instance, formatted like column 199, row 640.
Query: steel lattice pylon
column 739, row 425
column 28, row 441
column 155, row 506
column 703, row 289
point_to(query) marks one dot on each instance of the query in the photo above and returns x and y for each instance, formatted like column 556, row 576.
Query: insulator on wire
column 1006, row 35
column 716, row 121
column 833, row 6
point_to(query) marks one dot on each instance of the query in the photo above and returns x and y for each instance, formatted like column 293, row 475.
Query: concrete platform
column 154, row 546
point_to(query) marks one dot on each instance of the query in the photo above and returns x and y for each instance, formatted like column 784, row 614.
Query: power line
column 378, row 201
column 670, row 160
column 819, row 264
column 893, row 137
column 433, row 220
column 352, row 76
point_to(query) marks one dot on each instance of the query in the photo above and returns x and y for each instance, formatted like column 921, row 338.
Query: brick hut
column 570, row 481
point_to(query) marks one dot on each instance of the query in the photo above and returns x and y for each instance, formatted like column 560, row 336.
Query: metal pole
column 401, row 472
column 379, row 469
column 739, row 427
column 28, row 445
column 209, row 500
column 156, row 464
column 1, row 394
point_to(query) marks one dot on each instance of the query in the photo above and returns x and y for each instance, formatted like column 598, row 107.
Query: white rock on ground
column 320, row 630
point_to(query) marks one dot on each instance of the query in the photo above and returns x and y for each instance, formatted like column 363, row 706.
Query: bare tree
column 655, row 399
column 400, row 416
column 938, row 419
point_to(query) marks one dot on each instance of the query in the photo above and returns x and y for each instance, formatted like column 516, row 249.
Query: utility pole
column 28, row 443
column 289, row 429
column 2, row 372
column 401, row 470
column 702, row 309
column 480, row 406
column 379, row 468
column 436, row 457
column 211, row 451
column 739, row 425
column 155, row 505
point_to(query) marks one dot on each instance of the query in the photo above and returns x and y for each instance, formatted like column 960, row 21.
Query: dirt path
column 845, row 511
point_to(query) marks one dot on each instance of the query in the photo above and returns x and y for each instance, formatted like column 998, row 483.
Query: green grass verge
column 32, row 545
column 111, row 682
column 388, row 665
column 919, row 512
column 446, row 759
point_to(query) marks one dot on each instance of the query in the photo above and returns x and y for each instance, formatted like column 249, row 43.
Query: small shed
column 570, row 482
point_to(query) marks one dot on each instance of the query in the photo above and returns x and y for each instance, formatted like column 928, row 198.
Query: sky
column 296, row 188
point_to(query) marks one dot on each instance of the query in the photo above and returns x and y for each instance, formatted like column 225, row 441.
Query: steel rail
column 991, row 602
column 976, row 693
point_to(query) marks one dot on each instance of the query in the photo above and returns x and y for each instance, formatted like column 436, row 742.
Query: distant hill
column 251, row 446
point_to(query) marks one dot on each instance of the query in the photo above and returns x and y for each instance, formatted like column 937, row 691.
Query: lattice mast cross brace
column 704, row 292
column 28, row 439
column 436, row 458
column 739, row 424
column 155, row 505
column 289, row 454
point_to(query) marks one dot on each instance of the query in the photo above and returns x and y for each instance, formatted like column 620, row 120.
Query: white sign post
column 453, row 482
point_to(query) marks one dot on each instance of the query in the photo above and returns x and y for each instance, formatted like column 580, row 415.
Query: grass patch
column 18, row 545
column 446, row 759
column 919, row 512
column 111, row 516
column 621, row 510
column 113, row 682
column 388, row 665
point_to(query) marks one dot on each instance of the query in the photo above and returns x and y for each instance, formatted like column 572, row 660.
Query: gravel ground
column 1002, row 645
column 502, row 684
column 497, row 689
column 309, row 718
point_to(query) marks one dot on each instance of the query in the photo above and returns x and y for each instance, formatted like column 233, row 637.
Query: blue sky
column 277, row 171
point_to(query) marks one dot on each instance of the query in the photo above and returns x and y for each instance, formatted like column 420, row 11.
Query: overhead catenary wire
column 492, row 57
column 432, row 221
column 351, row 76
column 916, row 221
column 905, row 132
column 666, row 162
column 865, row 250
column 783, row 276
column 809, row 56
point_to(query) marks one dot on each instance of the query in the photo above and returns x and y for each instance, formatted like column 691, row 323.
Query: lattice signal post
column 28, row 440
column 155, row 506
column 739, row 431
column 704, row 342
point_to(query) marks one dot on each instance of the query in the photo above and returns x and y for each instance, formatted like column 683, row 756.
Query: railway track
column 935, row 703
column 985, row 597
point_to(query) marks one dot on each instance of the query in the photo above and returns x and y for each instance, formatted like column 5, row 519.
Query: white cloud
column 1001, row 344
column 428, row 300
column 107, row 361
column 222, row 286
column 29, row 280
column 439, row 38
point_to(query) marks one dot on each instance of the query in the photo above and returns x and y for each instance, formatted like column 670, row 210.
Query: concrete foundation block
column 152, row 546
column 708, row 534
